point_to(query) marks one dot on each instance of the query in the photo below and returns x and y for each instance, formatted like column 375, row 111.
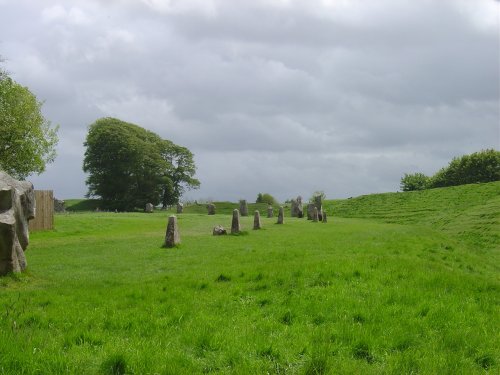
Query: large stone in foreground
column 235, row 224
column 172, row 237
column 17, row 207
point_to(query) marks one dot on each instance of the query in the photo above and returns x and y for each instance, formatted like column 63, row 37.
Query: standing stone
column 315, row 214
column 180, row 208
column 172, row 236
column 270, row 212
column 211, row 209
column 324, row 217
column 243, row 207
column 59, row 205
column 318, row 203
column 296, row 207
column 280, row 216
column 235, row 224
column 256, row 220
column 149, row 208
column 17, row 207
column 310, row 211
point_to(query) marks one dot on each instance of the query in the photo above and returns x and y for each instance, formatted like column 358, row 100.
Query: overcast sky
column 276, row 96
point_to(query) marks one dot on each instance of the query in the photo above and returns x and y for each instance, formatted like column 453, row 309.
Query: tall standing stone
column 235, row 223
column 180, row 208
column 315, row 214
column 270, row 211
column 318, row 203
column 149, row 208
column 256, row 220
column 310, row 211
column 17, row 207
column 211, row 209
column 243, row 208
column 296, row 207
column 280, row 216
column 324, row 217
column 172, row 236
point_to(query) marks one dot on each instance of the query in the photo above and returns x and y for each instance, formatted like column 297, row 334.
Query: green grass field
column 403, row 283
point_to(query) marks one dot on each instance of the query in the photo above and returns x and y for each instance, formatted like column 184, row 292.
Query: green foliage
column 482, row 166
column 412, row 182
column 129, row 166
column 469, row 213
column 266, row 198
column 27, row 139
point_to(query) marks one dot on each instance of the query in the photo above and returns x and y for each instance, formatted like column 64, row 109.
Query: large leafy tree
column 27, row 138
column 129, row 166
column 179, row 176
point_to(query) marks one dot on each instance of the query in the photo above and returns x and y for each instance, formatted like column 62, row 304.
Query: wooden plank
column 44, row 215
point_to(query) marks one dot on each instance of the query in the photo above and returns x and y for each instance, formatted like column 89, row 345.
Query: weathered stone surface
column 180, row 208
column 280, row 215
column 270, row 211
column 317, row 202
column 315, row 214
column 243, row 207
column 235, row 223
column 149, row 208
column 172, row 236
column 59, row 205
column 256, row 220
column 310, row 211
column 211, row 209
column 219, row 230
column 296, row 207
column 17, row 207
column 324, row 217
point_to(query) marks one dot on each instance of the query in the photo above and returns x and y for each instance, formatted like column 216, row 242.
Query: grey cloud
column 296, row 96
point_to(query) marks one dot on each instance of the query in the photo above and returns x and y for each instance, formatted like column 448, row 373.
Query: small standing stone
column 235, row 224
column 256, row 220
column 172, row 237
column 219, row 230
column 149, row 208
column 280, row 216
column 211, row 209
column 270, row 212
column 310, row 211
column 243, row 207
column 324, row 217
column 180, row 208
column 315, row 214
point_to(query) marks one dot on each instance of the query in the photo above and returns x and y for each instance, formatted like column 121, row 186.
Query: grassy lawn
column 355, row 295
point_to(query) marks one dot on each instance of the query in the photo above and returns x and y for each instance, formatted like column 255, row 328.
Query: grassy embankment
column 355, row 295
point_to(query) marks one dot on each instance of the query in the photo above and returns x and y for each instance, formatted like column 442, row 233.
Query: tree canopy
column 130, row 166
column 482, row 166
column 27, row 139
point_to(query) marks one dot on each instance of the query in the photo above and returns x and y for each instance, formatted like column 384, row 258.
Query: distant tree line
column 482, row 166
column 129, row 166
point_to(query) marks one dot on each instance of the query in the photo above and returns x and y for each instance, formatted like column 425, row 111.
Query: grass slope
column 350, row 296
column 469, row 212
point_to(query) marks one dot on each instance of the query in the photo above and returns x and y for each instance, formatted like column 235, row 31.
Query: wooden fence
column 44, row 215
